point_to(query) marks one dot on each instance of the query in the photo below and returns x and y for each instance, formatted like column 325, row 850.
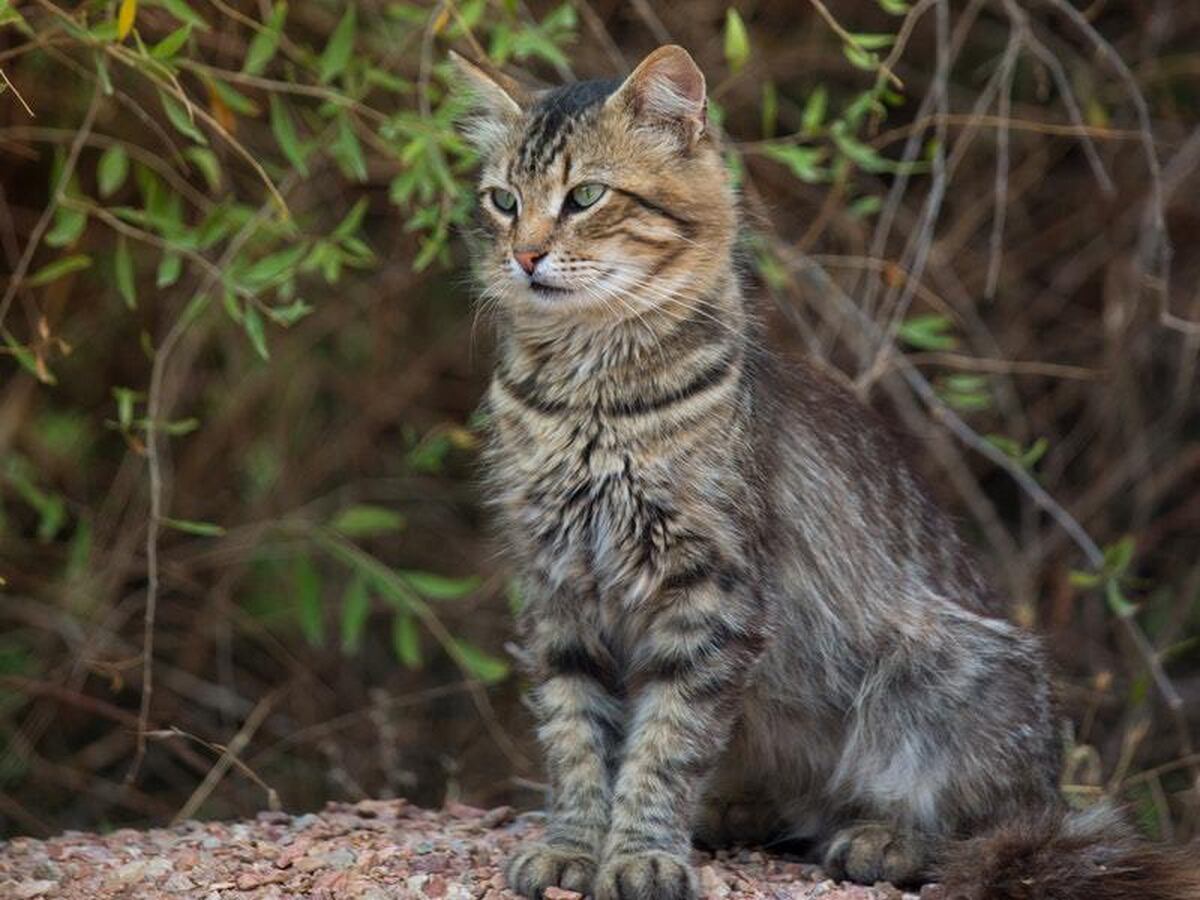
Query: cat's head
column 599, row 199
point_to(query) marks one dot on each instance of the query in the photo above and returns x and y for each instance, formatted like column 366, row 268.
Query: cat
column 744, row 616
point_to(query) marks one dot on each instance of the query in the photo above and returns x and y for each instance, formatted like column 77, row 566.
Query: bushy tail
column 1064, row 855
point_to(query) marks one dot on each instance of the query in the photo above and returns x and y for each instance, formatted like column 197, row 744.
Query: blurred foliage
column 236, row 293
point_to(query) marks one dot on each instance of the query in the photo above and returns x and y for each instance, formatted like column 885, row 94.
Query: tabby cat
column 745, row 618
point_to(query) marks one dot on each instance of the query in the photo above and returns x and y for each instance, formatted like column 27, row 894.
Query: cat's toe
column 646, row 876
column 875, row 852
column 539, row 866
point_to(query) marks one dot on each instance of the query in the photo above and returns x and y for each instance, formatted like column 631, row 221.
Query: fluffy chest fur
column 610, row 478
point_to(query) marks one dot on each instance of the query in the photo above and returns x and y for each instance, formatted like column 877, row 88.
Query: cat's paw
column 874, row 852
column 652, row 875
column 536, row 867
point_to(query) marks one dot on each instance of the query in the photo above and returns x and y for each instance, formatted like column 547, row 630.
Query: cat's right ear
column 496, row 101
column 667, row 89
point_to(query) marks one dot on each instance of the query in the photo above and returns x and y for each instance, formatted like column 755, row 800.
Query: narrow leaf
column 285, row 134
column 125, row 18
column 203, row 529
column 179, row 118
column 253, row 323
column 439, row 587
column 184, row 13
column 68, row 225
column 123, row 267
column 483, row 666
column 169, row 269
column 265, row 43
column 336, row 54
column 737, row 42
column 57, row 269
column 309, row 610
column 112, row 170
column 406, row 641
column 356, row 605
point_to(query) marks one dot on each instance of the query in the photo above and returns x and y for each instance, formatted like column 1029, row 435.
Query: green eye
column 585, row 195
column 504, row 200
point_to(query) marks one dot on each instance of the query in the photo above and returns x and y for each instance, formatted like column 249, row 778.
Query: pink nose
column 528, row 259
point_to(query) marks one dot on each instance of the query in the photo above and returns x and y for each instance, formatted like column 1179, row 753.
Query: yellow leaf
column 441, row 21
column 125, row 17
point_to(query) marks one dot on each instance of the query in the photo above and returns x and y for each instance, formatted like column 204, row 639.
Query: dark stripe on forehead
column 553, row 119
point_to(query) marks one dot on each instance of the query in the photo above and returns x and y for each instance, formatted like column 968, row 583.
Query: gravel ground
column 373, row 850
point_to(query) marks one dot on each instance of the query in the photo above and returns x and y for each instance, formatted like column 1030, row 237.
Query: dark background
column 327, row 607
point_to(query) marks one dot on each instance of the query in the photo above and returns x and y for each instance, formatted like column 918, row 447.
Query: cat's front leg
column 579, row 712
column 686, row 686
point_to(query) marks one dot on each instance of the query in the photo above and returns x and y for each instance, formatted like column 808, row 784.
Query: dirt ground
column 373, row 850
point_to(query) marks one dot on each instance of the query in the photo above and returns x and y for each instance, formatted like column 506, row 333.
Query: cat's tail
column 1064, row 855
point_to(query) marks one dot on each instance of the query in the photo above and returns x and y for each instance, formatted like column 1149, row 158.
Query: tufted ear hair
column 667, row 88
column 496, row 100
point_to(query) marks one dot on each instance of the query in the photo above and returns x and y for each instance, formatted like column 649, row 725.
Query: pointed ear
column 667, row 88
column 496, row 101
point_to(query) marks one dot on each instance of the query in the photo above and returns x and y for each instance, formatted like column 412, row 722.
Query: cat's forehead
column 545, row 132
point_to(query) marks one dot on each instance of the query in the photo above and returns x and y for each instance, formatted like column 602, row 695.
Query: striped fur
column 746, row 619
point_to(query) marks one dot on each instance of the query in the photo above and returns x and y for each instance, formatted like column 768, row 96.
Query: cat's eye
column 584, row 195
column 505, row 201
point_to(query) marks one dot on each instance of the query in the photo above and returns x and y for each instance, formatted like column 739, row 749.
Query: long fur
column 1060, row 855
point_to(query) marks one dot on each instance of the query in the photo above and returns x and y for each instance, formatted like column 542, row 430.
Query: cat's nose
column 528, row 259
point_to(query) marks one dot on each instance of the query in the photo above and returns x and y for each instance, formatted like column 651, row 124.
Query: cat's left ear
column 497, row 101
column 667, row 88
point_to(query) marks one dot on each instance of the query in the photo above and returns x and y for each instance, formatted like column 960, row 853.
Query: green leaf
column 171, row 44
column 874, row 41
column 203, row 529
column 126, row 399
column 483, row 666
column 285, row 135
column 737, row 41
column 1119, row 554
column 439, row 587
column 894, row 7
column 927, row 332
column 57, row 269
column 814, row 110
column 309, row 611
column 253, row 324
column 356, row 605
column 1117, row 601
column 234, row 99
column 274, row 267
column 336, row 54
column 111, row 170
column 266, row 42
column 206, row 161
column 169, row 269
column 406, row 641
column 801, row 160
column 9, row 16
column 353, row 220
column 68, row 225
column 178, row 117
column 1083, row 579
column 860, row 59
column 770, row 109
column 291, row 314
column 865, row 206
column 181, row 11
column 347, row 151
column 123, row 267
column 365, row 520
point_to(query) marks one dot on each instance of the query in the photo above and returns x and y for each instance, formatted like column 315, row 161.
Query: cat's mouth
column 544, row 288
